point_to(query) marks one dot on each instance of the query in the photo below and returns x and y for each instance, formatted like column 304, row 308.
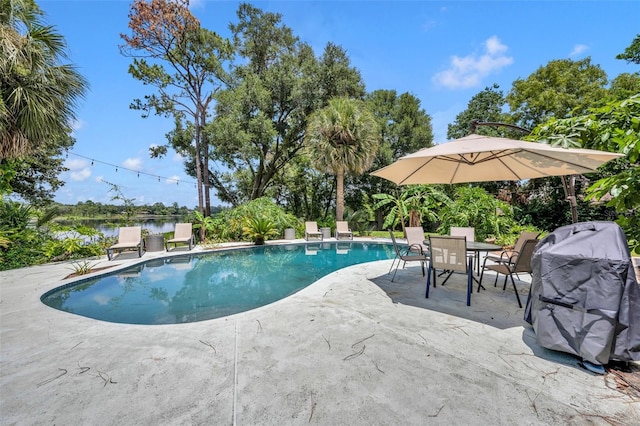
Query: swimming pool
column 190, row 288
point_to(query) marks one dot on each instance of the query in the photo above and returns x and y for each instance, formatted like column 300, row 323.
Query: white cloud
column 75, row 163
column 177, row 158
column 173, row 180
column 77, row 125
column 133, row 164
column 79, row 169
column 80, row 175
column 430, row 24
column 99, row 179
column 196, row 4
column 578, row 49
column 468, row 71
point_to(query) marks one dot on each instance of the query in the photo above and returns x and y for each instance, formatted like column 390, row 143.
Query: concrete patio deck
column 351, row 349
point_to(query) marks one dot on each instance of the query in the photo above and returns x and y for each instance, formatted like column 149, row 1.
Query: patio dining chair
column 415, row 239
column 469, row 232
column 410, row 254
column 449, row 253
column 183, row 235
column 501, row 255
column 510, row 265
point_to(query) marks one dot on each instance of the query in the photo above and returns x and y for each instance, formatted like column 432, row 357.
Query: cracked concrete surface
column 351, row 349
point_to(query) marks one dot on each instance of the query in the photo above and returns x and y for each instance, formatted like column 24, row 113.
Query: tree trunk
column 570, row 194
column 340, row 194
column 414, row 218
column 205, row 167
column 199, row 180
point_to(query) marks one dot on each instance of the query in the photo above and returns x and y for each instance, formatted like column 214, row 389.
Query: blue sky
column 443, row 52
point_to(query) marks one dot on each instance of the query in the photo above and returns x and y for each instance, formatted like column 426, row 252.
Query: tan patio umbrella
column 477, row 158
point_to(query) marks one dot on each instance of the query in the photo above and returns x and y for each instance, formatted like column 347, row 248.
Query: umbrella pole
column 570, row 195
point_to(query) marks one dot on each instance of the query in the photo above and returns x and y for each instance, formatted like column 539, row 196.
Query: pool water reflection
column 199, row 287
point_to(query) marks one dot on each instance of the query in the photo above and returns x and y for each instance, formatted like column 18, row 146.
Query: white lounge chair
column 183, row 235
column 129, row 238
column 311, row 231
column 342, row 230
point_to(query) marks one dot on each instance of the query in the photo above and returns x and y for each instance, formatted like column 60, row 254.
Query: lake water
column 154, row 226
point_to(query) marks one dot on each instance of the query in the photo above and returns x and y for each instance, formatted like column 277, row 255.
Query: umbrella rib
column 572, row 163
column 415, row 171
column 542, row 155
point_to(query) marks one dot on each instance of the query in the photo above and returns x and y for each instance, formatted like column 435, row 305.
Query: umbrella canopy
column 477, row 158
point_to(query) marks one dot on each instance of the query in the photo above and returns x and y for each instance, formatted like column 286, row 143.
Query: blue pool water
column 199, row 287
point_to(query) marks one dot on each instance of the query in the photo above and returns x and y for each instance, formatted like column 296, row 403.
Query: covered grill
column 584, row 297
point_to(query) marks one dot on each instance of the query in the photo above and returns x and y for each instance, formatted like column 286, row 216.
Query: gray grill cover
column 584, row 297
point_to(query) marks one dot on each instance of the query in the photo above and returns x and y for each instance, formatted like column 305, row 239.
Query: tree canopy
column 39, row 91
column 342, row 138
column 185, row 63
column 632, row 53
column 558, row 89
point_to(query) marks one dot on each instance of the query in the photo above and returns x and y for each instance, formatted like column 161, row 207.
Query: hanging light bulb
column 92, row 162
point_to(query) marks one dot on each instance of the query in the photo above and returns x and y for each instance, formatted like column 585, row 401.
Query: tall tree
column 186, row 65
column 261, row 116
column 38, row 91
column 405, row 127
column 485, row 106
column 342, row 138
column 558, row 89
column 624, row 86
column 632, row 53
column 37, row 176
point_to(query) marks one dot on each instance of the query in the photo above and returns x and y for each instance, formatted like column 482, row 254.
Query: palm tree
column 37, row 91
column 342, row 138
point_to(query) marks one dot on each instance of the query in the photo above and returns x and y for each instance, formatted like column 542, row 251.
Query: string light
column 195, row 184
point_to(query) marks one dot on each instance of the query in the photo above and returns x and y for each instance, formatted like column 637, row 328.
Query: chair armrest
column 418, row 248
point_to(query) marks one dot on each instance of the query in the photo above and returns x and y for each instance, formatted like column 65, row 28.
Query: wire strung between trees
column 93, row 160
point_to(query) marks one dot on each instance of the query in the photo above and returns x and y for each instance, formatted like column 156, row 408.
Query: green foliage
column 259, row 229
column 128, row 207
column 632, row 53
column 27, row 237
column 82, row 268
column 186, row 64
column 205, row 224
column 614, row 127
column 624, row 86
column 38, row 90
column 425, row 200
column 405, row 128
column 473, row 206
column 342, row 138
column 486, row 106
column 558, row 89
column 8, row 169
column 229, row 225
column 509, row 238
